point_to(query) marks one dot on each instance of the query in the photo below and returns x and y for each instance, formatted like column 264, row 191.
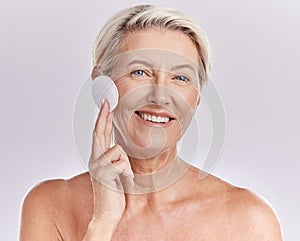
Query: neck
column 154, row 164
column 157, row 173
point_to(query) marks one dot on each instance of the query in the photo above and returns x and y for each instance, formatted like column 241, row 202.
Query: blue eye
column 138, row 72
column 181, row 78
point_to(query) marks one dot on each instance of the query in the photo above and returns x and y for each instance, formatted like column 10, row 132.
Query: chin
column 143, row 147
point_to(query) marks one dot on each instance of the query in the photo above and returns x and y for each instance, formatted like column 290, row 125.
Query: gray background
column 45, row 57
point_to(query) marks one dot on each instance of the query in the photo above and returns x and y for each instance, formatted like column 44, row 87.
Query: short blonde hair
column 109, row 40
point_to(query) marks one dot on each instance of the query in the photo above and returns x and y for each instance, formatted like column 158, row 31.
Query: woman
column 138, row 188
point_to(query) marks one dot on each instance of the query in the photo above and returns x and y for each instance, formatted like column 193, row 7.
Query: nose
column 159, row 94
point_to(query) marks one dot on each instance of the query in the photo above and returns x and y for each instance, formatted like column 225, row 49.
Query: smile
column 155, row 118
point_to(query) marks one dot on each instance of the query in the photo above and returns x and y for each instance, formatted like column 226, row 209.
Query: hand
column 110, row 171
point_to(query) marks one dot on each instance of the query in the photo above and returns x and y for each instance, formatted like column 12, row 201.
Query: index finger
column 103, row 127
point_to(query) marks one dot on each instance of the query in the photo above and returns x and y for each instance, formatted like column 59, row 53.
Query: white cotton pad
column 105, row 88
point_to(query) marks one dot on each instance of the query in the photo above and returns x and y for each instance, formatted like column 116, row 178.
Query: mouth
column 159, row 118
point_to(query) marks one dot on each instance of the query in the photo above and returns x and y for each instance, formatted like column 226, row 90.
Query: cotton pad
column 105, row 88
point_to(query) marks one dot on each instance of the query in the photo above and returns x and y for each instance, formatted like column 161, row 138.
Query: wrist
column 99, row 229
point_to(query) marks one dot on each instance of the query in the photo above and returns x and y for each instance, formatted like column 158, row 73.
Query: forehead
column 158, row 59
column 170, row 40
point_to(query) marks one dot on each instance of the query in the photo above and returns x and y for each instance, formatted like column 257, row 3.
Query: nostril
column 159, row 95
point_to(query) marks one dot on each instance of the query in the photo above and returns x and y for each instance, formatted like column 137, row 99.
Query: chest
column 172, row 226
column 186, row 222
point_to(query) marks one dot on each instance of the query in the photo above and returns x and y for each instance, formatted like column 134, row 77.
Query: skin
column 82, row 208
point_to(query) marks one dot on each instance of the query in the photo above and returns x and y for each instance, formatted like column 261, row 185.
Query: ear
column 95, row 72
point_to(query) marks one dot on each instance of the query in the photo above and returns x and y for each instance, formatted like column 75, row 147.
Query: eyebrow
column 149, row 65
column 183, row 66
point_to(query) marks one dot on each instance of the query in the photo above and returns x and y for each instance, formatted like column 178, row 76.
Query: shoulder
column 246, row 213
column 55, row 192
column 45, row 194
column 39, row 211
column 253, row 213
column 48, row 204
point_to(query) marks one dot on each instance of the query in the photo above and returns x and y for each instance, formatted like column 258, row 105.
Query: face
column 156, row 74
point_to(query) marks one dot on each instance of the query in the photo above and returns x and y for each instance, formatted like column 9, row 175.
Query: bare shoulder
column 254, row 214
column 45, row 196
column 55, row 191
column 246, row 213
column 44, row 205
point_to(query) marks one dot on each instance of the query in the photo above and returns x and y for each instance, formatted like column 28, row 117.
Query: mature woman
column 138, row 188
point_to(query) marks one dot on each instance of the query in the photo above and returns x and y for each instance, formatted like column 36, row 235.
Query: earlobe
column 95, row 72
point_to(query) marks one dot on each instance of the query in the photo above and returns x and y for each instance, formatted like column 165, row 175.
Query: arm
column 105, row 167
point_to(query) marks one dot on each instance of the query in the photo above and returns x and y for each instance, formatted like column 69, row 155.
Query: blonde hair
column 109, row 40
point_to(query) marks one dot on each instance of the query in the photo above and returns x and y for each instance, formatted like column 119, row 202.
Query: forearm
column 99, row 230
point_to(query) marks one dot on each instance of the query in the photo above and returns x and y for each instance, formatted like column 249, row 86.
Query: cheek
column 186, row 104
column 131, row 97
column 137, row 131
column 126, row 85
column 122, row 87
column 192, row 97
column 186, row 99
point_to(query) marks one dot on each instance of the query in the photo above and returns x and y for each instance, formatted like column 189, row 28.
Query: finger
column 106, row 177
column 112, row 172
column 114, row 181
column 103, row 142
column 99, row 131
column 128, row 180
column 123, row 166
column 108, row 129
column 114, row 156
column 106, row 173
column 110, row 155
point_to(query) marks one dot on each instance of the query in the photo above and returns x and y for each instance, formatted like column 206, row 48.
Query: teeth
column 156, row 119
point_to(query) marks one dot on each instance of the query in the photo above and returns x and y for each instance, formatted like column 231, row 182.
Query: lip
column 155, row 113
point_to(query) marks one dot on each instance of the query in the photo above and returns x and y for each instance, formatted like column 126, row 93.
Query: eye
column 181, row 78
column 138, row 72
